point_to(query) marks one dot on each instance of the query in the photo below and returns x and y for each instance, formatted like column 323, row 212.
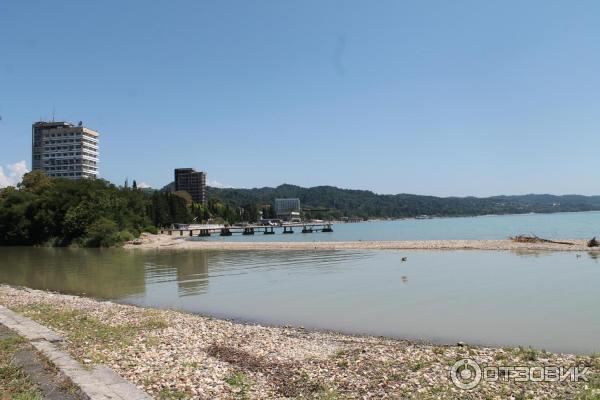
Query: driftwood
column 593, row 242
column 535, row 239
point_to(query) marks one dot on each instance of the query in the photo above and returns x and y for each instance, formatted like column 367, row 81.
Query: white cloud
column 143, row 185
column 217, row 184
column 14, row 174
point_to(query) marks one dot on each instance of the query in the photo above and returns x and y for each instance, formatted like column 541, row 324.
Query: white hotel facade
column 64, row 150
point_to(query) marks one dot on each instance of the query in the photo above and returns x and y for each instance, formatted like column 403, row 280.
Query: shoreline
column 169, row 352
column 164, row 241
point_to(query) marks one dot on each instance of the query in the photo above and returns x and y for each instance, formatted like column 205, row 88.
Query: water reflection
column 189, row 269
column 593, row 255
column 108, row 274
column 531, row 298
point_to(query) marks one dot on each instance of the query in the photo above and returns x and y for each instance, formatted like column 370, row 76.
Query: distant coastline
column 468, row 216
column 337, row 203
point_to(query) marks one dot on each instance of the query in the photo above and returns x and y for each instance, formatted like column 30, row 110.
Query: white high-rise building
column 64, row 150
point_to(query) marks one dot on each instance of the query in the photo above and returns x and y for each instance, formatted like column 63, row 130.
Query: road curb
column 96, row 382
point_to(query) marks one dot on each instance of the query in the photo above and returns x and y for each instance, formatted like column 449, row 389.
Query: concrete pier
column 252, row 229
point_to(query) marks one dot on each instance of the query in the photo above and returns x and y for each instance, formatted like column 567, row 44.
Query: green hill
column 366, row 204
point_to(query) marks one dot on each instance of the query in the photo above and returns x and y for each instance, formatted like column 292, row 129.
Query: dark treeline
column 61, row 212
column 95, row 213
column 339, row 203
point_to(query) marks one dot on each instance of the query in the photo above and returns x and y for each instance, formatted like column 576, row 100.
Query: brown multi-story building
column 193, row 182
column 63, row 150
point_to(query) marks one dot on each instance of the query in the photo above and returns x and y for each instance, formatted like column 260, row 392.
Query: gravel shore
column 149, row 241
column 175, row 355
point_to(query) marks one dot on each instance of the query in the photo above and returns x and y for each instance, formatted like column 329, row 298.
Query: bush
column 125, row 236
column 103, row 233
column 151, row 229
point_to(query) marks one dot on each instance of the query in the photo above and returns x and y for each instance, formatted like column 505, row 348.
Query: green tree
column 102, row 233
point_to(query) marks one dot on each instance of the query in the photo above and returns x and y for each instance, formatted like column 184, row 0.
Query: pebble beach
column 176, row 355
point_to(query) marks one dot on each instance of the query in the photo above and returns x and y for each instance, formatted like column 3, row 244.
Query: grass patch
column 329, row 394
column 81, row 328
column 152, row 341
column 172, row 394
column 192, row 364
column 593, row 390
column 527, row 354
column 438, row 351
column 11, row 344
column 395, row 377
column 340, row 353
column 241, row 384
column 154, row 324
column 14, row 384
column 416, row 366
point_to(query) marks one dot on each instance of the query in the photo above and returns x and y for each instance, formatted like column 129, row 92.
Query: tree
column 35, row 181
column 178, row 207
column 63, row 212
column 250, row 212
column 184, row 195
column 134, row 186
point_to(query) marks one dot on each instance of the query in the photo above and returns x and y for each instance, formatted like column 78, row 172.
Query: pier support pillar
column 286, row 230
column 327, row 228
column 225, row 232
column 269, row 231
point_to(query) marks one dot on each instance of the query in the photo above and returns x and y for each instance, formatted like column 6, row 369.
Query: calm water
column 559, row 225
column 546, row 300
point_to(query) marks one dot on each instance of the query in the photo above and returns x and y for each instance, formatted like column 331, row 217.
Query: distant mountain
column 366, row 204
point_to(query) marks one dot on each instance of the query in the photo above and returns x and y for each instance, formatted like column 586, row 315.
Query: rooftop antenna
column 53, row 113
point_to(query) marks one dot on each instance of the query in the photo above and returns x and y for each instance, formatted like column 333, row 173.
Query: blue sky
column 428, row 97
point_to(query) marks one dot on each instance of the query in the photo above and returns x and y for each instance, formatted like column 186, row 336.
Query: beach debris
column 404, row 279
column 593, row 242
column 535, row 239
column 404, row 259
column 461, row 344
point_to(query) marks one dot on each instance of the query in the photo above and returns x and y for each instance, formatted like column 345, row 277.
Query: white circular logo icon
column 465, row 374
